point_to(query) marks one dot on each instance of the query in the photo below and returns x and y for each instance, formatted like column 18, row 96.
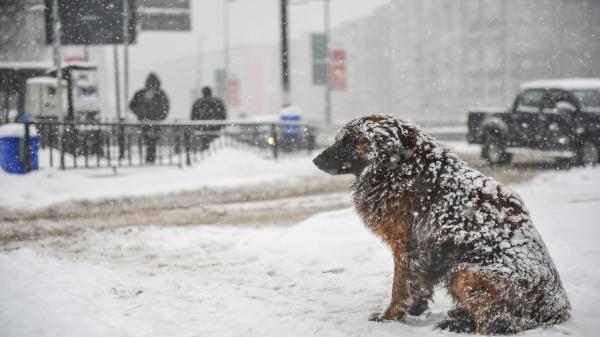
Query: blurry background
column 427, row 60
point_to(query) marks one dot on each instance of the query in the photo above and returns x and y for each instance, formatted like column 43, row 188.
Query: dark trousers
column 151, row 137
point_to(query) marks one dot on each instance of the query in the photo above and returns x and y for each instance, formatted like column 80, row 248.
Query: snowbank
column 16, row 130
column 320, row 277
column 227, row 167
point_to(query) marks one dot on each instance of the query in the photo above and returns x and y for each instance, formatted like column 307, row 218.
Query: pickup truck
column 557, row 118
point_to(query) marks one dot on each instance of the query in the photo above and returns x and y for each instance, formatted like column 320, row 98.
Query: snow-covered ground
column 322, row 276
column 226, row 168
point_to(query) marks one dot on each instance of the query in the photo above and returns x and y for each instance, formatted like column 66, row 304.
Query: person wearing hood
column 150, row 104
column 208, row 107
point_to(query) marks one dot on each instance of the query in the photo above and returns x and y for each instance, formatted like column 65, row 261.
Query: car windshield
column 530, row 100
column 589, row 98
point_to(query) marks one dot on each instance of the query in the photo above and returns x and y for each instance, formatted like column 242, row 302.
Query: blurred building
column 430, row 60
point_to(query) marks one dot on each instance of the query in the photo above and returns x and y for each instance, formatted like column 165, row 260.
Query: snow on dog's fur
column 446, row 223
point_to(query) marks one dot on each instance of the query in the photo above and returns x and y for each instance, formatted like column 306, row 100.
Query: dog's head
column 366, row 141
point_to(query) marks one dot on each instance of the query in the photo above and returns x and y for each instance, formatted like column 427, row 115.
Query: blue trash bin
column 13, row 149
column 292, row 136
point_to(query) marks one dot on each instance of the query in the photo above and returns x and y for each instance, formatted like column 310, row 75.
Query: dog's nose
column 318, row 161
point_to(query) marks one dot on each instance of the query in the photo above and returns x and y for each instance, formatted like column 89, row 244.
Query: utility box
column 41, row 99
column 14, row 148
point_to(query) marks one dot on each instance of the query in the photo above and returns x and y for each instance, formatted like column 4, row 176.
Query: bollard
column 273, row 141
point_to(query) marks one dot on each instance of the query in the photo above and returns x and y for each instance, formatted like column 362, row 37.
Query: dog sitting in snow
column 447, row 223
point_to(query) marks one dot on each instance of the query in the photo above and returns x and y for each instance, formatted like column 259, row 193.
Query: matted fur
column 446, row 223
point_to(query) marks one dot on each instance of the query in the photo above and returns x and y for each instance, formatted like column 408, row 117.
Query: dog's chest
column 391, row 220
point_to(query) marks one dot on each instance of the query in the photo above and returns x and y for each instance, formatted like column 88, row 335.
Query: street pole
column 59, row 101
column 125, row 53
column 57, row 59
column 285, row 78
column 327, row 26
column 226, row 49
column 199, row 69
column 117, row 86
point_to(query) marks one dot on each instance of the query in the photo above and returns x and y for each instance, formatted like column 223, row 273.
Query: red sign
column 233, row 92
column 339, row 75
column 74, row 58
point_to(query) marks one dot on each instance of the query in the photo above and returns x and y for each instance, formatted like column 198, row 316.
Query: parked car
column 558, row 118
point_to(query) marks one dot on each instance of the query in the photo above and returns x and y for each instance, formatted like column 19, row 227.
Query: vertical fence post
column 121, row 141
column 186, row 145
column 74, row 143
column 98, row 145
column 274, row 141
column 51, row 138
column 63, row 144
column 85, row 150
column 170, row 141
column 108, row 149
column 141, row 145
column 180, row 152
column 129, row 149
column 27, row 148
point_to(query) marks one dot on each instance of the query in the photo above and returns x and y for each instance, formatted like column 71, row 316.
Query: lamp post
column 327, row 27
column 285, row 65
column 226, row 48
column 125, row 53
column 57, row 57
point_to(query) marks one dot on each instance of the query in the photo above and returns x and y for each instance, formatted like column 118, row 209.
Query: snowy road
column 322, row 276
column 282, row 193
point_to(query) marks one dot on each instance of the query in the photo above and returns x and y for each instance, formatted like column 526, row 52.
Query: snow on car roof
column 566, row 83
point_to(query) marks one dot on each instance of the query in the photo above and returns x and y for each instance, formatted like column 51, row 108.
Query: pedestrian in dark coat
column 208, row 107
column 150, row 104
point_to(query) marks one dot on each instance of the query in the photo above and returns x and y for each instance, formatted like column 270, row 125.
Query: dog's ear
column 383, row 132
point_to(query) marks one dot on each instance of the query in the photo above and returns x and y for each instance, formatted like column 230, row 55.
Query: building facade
column 431, row 60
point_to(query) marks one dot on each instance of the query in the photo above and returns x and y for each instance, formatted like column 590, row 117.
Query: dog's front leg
column 398, row 305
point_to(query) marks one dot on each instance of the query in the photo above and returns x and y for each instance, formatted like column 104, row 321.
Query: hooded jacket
column 150, row 103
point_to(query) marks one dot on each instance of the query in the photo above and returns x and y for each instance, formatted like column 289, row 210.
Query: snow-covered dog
column 447, row 223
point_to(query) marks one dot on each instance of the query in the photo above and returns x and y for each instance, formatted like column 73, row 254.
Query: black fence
column 126, row 144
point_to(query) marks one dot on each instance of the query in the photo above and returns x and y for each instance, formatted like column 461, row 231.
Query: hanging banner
column 339, row 75
column 233, row 91
column 319, row 59
column 220, row 86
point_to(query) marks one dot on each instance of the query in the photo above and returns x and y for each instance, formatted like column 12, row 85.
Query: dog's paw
column 460, row 314
column 376, row 317
column 457, row 325
column 387, row 316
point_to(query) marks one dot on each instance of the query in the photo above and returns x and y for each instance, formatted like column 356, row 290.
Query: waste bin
column 13, row 148
column 292, row 135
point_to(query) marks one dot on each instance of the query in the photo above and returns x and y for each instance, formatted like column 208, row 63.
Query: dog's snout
column 325, row 163
column 317, row 161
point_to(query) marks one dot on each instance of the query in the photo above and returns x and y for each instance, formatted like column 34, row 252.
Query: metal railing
column 127, row 144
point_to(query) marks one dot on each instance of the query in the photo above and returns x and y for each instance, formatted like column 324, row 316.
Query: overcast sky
column 252, row 22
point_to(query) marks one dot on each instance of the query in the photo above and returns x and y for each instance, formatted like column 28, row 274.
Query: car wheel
column 494, row 150
column 588, row 153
